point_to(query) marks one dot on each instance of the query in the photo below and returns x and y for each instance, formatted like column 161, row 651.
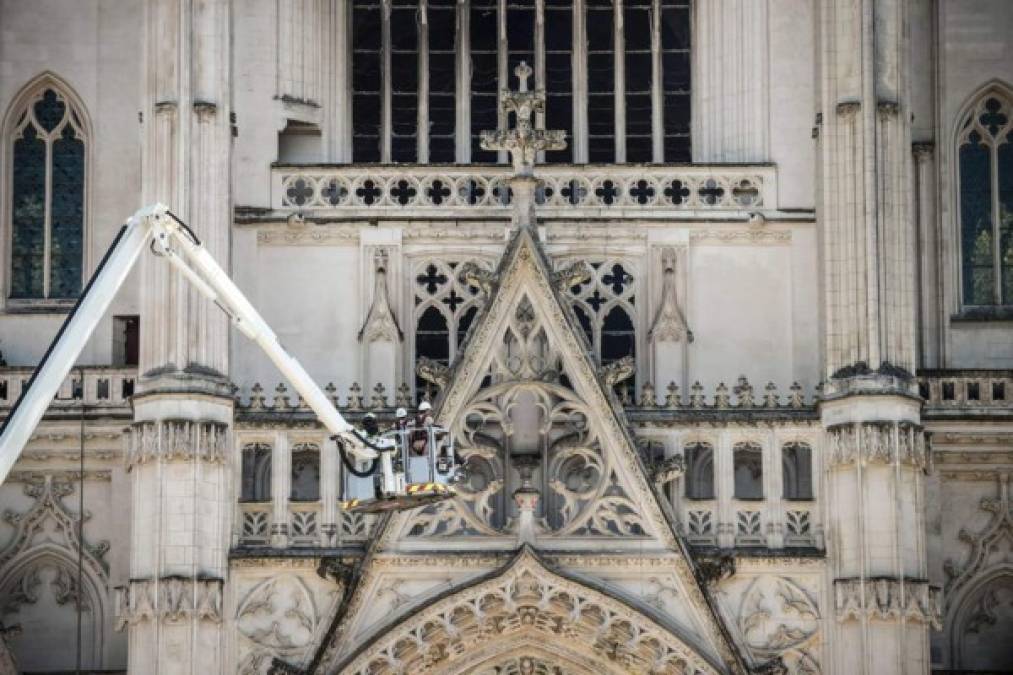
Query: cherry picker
column 382, row 470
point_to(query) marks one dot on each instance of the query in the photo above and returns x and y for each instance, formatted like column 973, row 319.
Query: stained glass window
column 47, row 199
column 985, row 163
column 427, row 77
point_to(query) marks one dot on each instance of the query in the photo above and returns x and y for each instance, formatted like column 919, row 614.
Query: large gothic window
column 427, row 75
column 47, row 145
column 985, row 163
column 445, row 308
column 605, row 308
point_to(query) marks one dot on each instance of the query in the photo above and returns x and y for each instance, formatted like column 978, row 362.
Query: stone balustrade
column 563, row 189
column 966, row 391
column 100, row 387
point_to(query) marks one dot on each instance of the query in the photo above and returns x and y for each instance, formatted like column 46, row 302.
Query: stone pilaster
column 876, row 457
column 183, row 407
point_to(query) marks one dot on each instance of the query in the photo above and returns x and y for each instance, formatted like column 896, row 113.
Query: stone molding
column 381, row 323
column 171, row 599
column 177, row 440
column 888, row 599
column 878, row 442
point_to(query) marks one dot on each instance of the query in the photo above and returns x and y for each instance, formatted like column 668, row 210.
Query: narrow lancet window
column 367, row 80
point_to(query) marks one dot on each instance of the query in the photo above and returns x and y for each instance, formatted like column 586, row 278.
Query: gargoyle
column 574, row 274
column 432, row 371
column 715, row 569
column 473, row 275
column 668, row 470
column 617, row 371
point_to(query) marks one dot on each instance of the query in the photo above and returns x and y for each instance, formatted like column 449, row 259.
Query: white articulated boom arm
column 156, row 227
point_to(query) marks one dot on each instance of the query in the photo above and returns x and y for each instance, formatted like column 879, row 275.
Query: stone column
column 183, row 408
column 870, row 410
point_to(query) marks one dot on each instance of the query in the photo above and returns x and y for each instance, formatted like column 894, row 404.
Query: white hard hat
column 401, row 412
column 425, row 405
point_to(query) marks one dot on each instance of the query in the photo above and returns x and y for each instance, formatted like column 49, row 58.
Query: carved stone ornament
column 432, row 371
column 517, row 613
column 471, row 274
column 779, row 621
column 172, row 599
column 48, row 524
column 669, row 324
column 989, row 548
column 279, row 615
column 177, row 441
column 888, row 599
column 381, row 323
column 878, row 443
column 618, row 371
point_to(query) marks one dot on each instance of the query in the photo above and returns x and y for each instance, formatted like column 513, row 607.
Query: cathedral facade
column 716, row 297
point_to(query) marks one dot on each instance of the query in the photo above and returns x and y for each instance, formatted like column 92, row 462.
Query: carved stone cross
column 523, row 142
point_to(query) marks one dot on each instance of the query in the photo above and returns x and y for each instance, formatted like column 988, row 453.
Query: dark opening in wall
column 638, row 70
column 367, row 80
column 442, row 80
column 675, row 74
column 601, row 81
column 748, row 468
column 126, row 340
column 404, row 80
column 559, row 74
column 256, row 473
column 484, row 75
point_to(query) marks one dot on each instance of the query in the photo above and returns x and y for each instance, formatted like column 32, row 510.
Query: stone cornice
column 177, row 440
column 888, row 599
column 171, row 599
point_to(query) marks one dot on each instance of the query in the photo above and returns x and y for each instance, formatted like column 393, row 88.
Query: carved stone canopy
column 515, row 613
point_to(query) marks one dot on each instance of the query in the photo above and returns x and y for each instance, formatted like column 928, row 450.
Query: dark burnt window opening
column 675, row 80
column 601, row 131
column 484, row 75
column 637, row 70
column 367, row 80
column 559, row 74
column 404, row 80
column 442, row 18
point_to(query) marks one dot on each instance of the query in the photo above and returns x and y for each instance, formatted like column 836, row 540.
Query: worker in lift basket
column 420, row 437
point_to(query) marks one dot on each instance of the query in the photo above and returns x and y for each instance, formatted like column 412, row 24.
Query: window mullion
column 503, row 66
column 996, row 225
column 657, row 123
column 47, row 229
column 540, row 63
column 579, row 66
column 619, row 46
column 385, row 78
column 463, row 82
column 422, row 131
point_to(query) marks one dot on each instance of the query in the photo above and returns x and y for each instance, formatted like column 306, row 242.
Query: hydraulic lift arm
column 155, row 227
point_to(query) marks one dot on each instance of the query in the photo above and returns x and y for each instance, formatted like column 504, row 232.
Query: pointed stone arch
column 33, row 88
column 514, row 613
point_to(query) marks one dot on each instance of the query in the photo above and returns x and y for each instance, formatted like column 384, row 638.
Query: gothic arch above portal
column 513, row 614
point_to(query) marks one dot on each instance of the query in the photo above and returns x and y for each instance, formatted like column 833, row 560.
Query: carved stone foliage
column 528, row 410
column 48, row 524
column 502, row 620
column 177, row 440
column 171, row 599
column 779, row 620
column 381, row 322
column 278, row 618
column 878, row 443
column 525, row 665
column 887, row 599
